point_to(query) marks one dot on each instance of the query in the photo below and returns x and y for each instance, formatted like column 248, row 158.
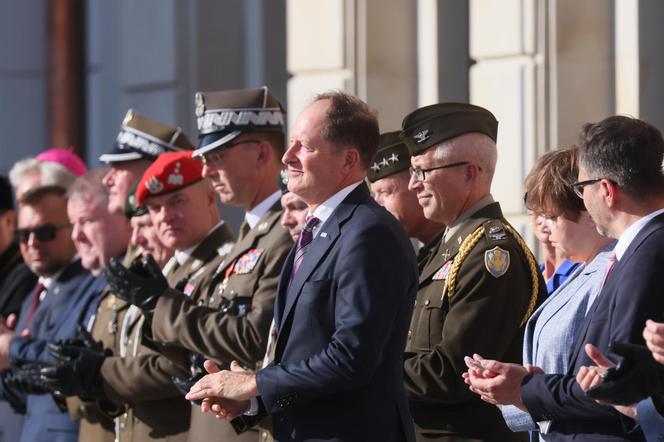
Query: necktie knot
column 310, row 223
column 306, row 236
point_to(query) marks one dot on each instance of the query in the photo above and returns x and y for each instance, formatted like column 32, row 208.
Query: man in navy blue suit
column 344, row 299
column 621, row 183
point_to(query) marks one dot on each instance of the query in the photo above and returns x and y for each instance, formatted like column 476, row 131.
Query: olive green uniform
column 475, row 295
column 233, row 322
column 140, row 380
column 96, row 424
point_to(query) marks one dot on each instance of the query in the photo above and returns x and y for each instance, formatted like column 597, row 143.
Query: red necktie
column 36, row 298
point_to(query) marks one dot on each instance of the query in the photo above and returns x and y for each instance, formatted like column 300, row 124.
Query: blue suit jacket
column 68, row 301
column 630, row 296
column 342, row 320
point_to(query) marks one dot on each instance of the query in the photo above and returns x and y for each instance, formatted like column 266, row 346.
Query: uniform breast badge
column 443, row 271
column 497, row 261
column 247, row 262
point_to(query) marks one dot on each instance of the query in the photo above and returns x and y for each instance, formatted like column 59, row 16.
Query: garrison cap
column 132, row 208
column 391, row 157
column 431, row 125
column 225, row 115
column 171, row 171
column 141, row 137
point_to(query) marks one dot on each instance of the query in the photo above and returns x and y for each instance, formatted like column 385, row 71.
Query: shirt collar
column 325, row 210
column 181, row 256
column 254, row 215
column 47, row 282
column 630, row 233
column 482, row 203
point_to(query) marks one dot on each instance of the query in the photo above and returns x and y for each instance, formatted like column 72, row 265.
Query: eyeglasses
column 579, row 186
column 420, row 174
column 43, row 233
column 215, row 156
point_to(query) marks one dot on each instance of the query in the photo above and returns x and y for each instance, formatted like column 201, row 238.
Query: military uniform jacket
column 235, row 323
column 140, row 379
column 233, row 319
column 475, row 294
column 104, row 326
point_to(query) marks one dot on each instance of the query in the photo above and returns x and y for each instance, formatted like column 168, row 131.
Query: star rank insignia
column 394, row 158
column 375, row 167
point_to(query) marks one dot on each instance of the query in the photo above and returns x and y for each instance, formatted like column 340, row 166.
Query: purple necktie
column 303, row 241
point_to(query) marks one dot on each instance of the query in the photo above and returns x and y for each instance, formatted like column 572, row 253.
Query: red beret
column 169, row 172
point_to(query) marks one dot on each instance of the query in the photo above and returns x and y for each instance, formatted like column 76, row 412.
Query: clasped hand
column 226, row 393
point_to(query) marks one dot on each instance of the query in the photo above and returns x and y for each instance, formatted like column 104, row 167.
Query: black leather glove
column 77, row 372
column 141, row 284
column 636, row 377
column 85, row 340
column 24, row 376
column 184, row 384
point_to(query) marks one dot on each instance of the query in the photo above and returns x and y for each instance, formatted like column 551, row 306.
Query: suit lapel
column 608, row 291
column 289, row 291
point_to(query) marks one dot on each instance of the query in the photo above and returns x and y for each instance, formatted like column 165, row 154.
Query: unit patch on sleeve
column 497, row 261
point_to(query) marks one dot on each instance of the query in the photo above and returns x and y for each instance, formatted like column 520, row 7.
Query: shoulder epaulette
column 495, row 230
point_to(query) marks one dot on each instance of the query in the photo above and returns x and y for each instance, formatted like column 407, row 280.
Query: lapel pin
column 323, row 234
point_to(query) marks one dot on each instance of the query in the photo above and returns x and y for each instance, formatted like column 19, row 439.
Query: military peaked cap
column 141, row 137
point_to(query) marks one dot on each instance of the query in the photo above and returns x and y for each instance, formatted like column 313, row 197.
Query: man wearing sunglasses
column 479, row 287
column 44, row 234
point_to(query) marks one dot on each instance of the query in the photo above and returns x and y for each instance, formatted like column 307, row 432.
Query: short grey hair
column 474, row 147
column 90, row 188
column 50, row 173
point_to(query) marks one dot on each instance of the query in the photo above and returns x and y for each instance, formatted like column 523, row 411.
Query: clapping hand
column 141, row 284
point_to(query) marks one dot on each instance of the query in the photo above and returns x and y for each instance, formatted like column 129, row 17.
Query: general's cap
column 170, row 172
column 392, row 157
column 141, row 137
column 225, row 115
column 431, row 125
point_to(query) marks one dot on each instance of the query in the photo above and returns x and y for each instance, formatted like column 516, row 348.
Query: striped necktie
column 306, row 236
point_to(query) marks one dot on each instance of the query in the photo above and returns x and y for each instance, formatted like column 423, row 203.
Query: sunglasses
column 43, row 233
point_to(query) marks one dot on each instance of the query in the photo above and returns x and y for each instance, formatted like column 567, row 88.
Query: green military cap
column 431, row 125
column 391, row 157
column 132, row 208
column 141, row 137
column 225, row 115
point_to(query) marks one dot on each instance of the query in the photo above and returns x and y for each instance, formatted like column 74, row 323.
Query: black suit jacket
column 630, row 296
column 342, row 320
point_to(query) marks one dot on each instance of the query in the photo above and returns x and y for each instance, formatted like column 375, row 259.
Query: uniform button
column 410, row 332
column 427, row 302
column 416, row 303
column 200, row 302
column 211, row 301
column 264, row 435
